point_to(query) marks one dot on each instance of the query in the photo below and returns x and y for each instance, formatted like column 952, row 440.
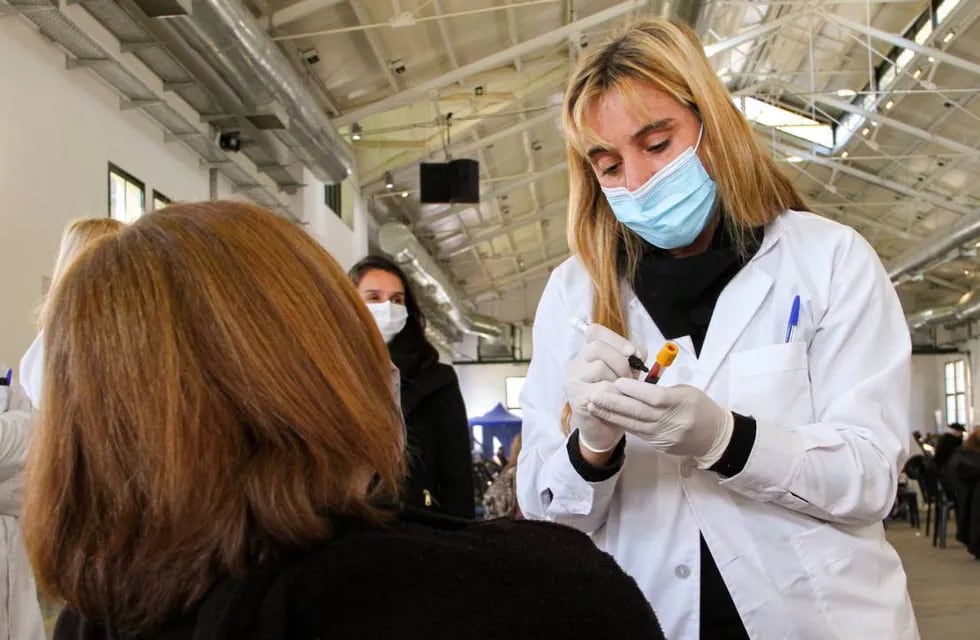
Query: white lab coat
column 20, row 615
column 797, row 535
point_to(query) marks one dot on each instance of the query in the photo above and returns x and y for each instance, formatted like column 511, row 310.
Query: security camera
column 230, row 140
column 397, row 65
column 311, row 55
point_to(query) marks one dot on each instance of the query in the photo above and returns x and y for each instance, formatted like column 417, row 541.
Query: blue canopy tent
column 497, row 423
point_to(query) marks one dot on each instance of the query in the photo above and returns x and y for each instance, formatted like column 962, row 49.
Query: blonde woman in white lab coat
column 745, row 491
column 20, row 614
column 77, row 235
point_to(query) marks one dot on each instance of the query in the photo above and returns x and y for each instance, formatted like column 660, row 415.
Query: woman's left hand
column 681, row 420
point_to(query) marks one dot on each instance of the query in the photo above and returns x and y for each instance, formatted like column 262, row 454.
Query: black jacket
column 945, row 447
column 439, row 449
column 963, row 472
column 424, row 576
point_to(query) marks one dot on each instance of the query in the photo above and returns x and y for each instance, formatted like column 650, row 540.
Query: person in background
column 962, row 472
column 752, row 481
column 77, row 235
column 231, row 471
column 500, row 500
column 949, row 441
column 440, row 474
column 20, row 614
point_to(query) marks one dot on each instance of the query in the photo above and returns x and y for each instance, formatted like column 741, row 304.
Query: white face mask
column 32, row 370
column 390, row 317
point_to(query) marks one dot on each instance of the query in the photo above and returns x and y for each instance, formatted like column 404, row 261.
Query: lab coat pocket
column 771, row 383
column 857, row 579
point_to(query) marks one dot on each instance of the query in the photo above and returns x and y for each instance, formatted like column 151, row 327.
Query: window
column 159, row 200
column 126, row 195
column 512, row 389
column 956, row 386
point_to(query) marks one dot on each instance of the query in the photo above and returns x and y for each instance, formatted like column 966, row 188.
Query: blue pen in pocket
column 794, row 320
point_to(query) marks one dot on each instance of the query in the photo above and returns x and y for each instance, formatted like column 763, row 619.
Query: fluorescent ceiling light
column 786, row 121
column 794, row 159
column 846, row 93
column 917, row 74
column 845, row 153
column 865, row 131
column 889, row 104
column 949, row 36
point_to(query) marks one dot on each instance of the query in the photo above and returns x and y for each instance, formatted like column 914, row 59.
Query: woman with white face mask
column 440, row 475
column 745, row 491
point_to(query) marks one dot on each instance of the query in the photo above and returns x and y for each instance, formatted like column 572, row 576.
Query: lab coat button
column 682, row 571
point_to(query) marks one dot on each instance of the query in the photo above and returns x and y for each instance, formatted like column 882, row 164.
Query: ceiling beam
column 843, row 105
column 749, row 35
column 375, row 43
column 899, row 41
column 420, row 91
column 898, row 187
column 458, row 147
column 299, row 11
column 552, row 210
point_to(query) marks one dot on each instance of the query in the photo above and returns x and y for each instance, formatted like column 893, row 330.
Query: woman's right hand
column 602, row 360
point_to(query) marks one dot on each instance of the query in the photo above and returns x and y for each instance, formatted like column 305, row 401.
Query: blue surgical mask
column 672, row 208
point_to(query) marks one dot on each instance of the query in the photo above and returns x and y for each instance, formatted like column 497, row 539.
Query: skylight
column 786, row 121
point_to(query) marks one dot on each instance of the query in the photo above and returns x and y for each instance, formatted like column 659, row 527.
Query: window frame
column 159, row 197
column 956, row 372
column 129, row 178
column 507, row 392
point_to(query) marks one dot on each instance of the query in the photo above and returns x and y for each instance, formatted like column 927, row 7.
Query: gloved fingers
column 612, row 417
column 594, row 371
column 618, row 364
column 617, row 404
column 652, row 395
column 599, row 333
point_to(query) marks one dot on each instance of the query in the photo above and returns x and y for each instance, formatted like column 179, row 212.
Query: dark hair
column 372, row 262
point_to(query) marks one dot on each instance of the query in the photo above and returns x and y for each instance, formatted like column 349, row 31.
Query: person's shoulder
column 815, row 234
column 806, row 225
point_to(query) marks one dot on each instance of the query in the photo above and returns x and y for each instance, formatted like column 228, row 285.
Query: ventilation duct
column 935, row 247
column 400, row 243
column 966, row 309
column 227, row 35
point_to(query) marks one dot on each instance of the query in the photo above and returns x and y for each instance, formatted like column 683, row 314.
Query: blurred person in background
column 77, row 236
column 20, row 615
column 500, row 500
column 220, row 453
column 440, row 474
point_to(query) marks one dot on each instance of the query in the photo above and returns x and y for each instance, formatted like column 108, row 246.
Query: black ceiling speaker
column 456, row 181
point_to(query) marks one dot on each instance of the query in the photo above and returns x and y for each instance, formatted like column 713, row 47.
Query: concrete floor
column 944, row 583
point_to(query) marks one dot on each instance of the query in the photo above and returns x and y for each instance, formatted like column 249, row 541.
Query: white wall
column 483, row 385
column 59, row 129
column 927, row 391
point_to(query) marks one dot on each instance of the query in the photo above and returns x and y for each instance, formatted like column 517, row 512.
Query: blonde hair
column 78, row 235
column 214, row 391
column 668, row 56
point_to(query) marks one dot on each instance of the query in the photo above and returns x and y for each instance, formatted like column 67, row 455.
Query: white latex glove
column 602, row 360
column 681, row 420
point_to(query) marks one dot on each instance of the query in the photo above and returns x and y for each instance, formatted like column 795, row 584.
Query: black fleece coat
column 439, row 457
column 424, row 576
column 963, row 471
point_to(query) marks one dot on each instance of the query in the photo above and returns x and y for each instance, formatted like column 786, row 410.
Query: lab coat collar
column 739, row 302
